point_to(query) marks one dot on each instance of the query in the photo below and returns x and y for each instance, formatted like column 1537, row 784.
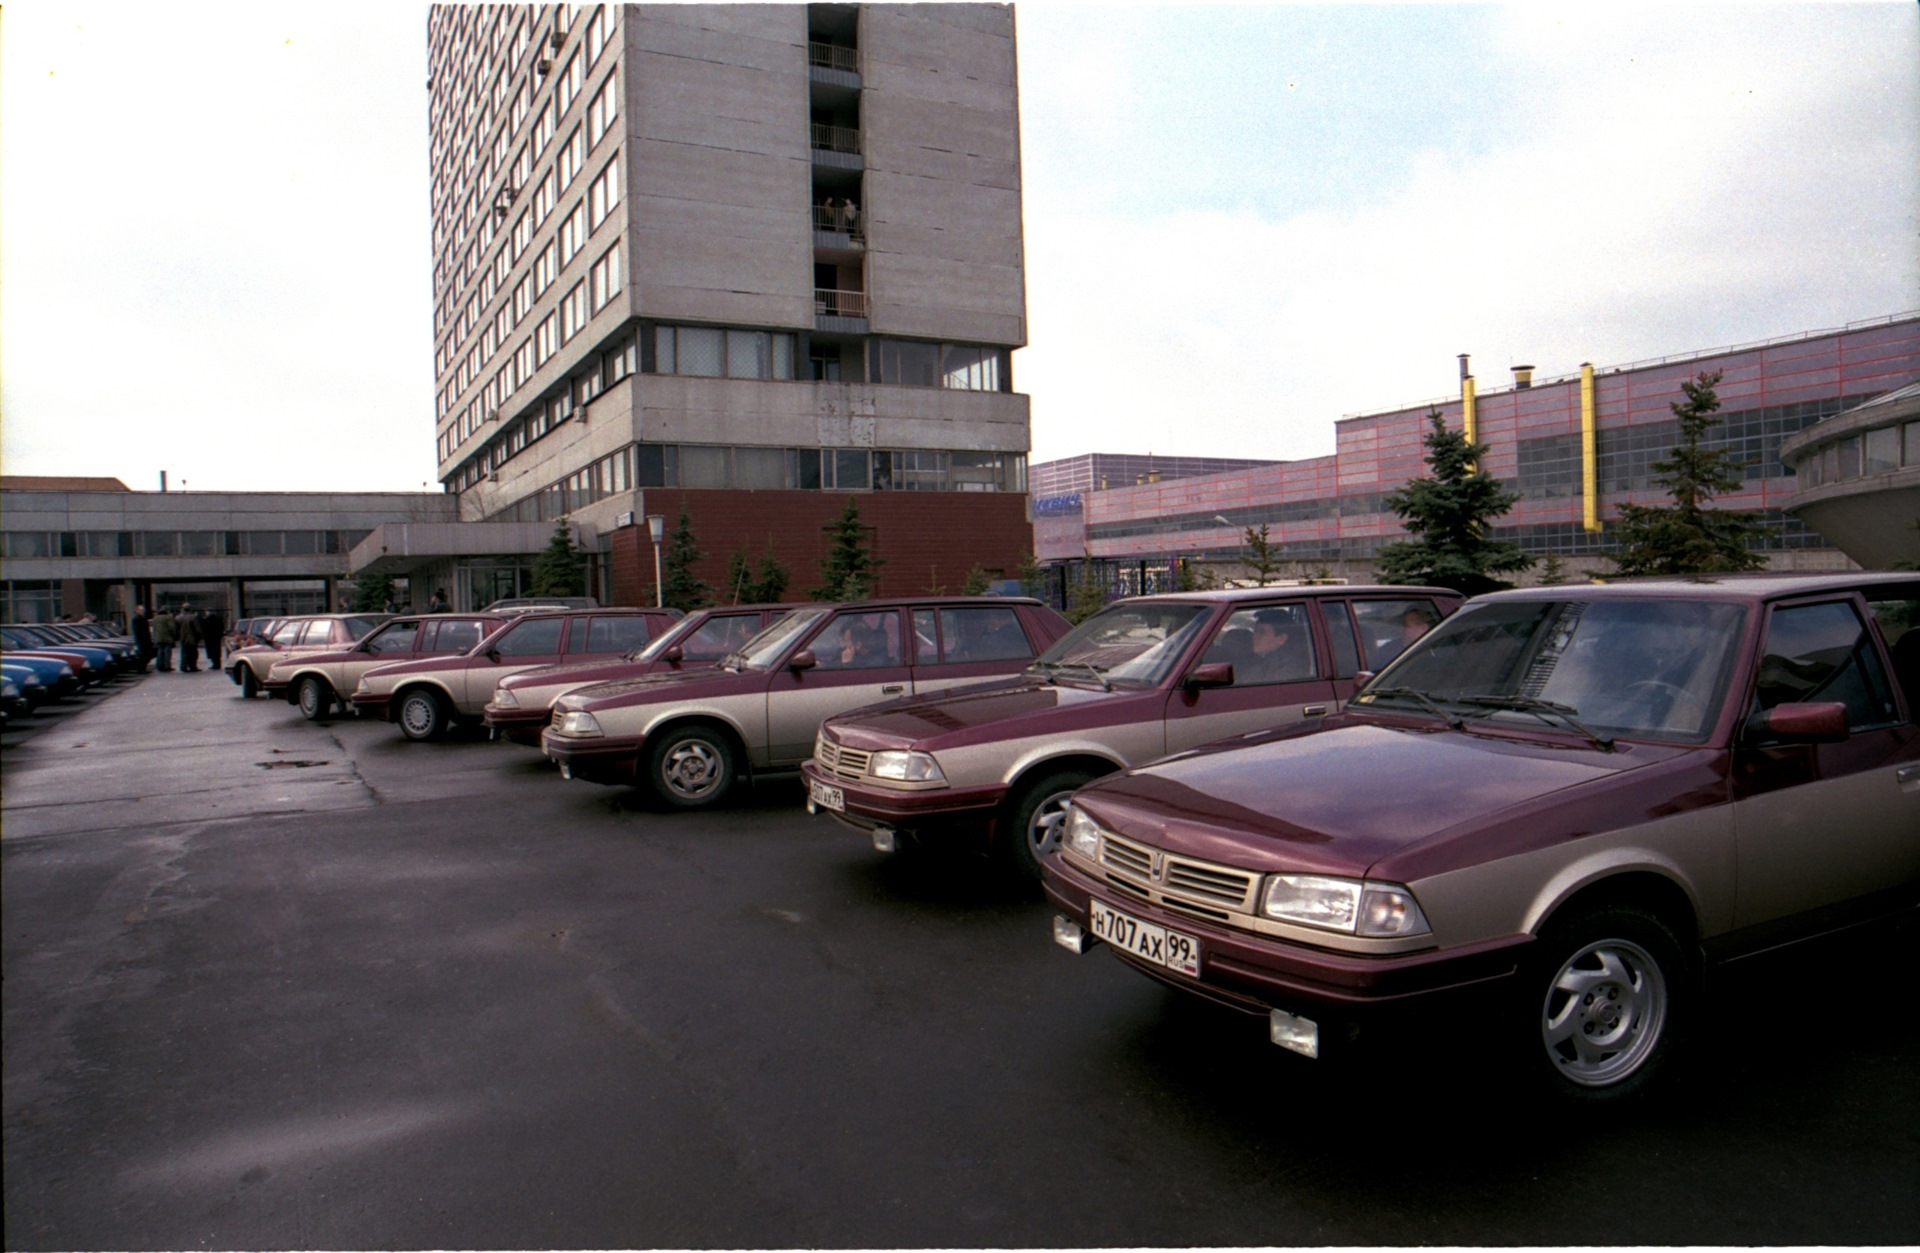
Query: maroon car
column 431, row 694
column 522, row 703
column 690, row 733
column 1540, row 825
column 317, row 681
column 1142, row 678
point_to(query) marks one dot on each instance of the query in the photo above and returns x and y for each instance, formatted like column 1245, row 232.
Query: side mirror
column 493, row 654
column 674, row 655
column 1824, row 722
column 1210, row 674
column 803, row 660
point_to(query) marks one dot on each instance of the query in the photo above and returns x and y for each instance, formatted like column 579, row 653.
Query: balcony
column 834, row 67
column 836, row 147
column 843, row 311
column 839, row 228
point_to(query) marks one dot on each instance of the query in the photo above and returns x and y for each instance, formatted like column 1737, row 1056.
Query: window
column 546, row 339
column 605, row 192
column 534, row 637
column 613, row 635
column 970, row 369
column 573, row 312
column 573, row 154
column 859, row 641
column 907, row 363
column 607, row 278
column 703, row 466
column 522, row 297
column 1821, row 653
column 573, row 233
column 1388, row 626
column 1883, row 450
column 543, row 128
column 522, row 367
column 1266, row 644
column 450, row 637
column 397, row 638
column 708, row 352
column 1850, row 457
column 546, row 268
column 522, row 234
column 569, row 85
column 982, row 634
column 719, row 635
column 599, row 27
column 699, row 351
column 604, row 108
column 545, row 197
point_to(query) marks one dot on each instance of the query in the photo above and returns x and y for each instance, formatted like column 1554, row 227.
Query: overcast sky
column 1242, row 222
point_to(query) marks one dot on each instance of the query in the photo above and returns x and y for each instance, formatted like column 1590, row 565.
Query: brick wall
column 927, row 539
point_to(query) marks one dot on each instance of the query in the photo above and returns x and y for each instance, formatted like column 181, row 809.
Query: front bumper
column 613, row 760
column 1258, row 974
column 522, row 726
column 925, row 812
column 373, row 705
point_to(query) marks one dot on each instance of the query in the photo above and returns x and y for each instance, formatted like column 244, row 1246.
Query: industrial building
column 1576, row 446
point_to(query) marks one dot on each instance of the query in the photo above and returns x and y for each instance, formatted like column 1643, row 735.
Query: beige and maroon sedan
column 317, row 682
column 319, row 632
column 1538, row 828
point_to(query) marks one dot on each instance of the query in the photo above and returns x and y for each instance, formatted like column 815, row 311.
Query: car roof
column 1234, row 594
column 1752, row 587
column 517, row 612
column 911, row 602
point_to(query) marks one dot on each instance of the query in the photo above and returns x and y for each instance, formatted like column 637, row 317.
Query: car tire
column 249, row 683
column 1033, row 820
column 1606, row 1000
column 691, row 767
column 422, row 715
column 315, row 698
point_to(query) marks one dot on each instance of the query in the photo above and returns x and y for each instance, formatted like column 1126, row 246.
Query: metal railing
column 841, row 219
column 835, row 138
column 829, row 303
column 833, row 57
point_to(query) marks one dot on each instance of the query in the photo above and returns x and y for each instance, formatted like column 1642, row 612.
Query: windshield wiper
column 1052, row 668
column 1433, row 707
column 1541, row 709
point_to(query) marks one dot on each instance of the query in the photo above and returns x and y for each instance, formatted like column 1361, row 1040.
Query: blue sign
column 1046, row 505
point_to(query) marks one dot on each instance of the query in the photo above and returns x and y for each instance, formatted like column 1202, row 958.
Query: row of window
column 177, row 543
column 1881, row 450
column 601, row 371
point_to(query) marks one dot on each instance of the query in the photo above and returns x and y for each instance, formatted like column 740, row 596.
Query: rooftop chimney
column 1466, row 372
column 163, row 480
column 1522, row 377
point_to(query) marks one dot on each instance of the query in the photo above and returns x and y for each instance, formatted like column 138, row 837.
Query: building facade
column 738, row 260
column 1575, row 447
column 1858, row 475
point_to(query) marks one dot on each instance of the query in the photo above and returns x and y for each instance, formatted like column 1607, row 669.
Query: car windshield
column 760, row 652
column 1652, row 668
column 1135, row 644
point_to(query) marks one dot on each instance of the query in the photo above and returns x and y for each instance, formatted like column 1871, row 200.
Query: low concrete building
column 1859, row 479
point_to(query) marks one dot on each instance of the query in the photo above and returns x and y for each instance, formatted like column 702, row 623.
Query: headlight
column 366, row 684
column 503, row 698
column 1349, row 905
column 1081, row 834
column 576, row 722
column 906, row 767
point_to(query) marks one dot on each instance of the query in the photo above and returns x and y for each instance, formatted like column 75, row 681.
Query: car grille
column 1199, row 888
column 845, row 763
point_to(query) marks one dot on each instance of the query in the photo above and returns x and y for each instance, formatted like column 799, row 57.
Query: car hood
column 602, row 671
column 995, row 710
column 1339, row 798
column 665, row 685
column 419, row 665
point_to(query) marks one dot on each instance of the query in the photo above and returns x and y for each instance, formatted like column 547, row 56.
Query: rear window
column 537, row 637
column 453, row 637
column 620, row 634
column 357, row 628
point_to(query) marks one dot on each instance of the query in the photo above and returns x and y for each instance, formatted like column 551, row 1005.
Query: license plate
column 830, row 797
column 1144, row 940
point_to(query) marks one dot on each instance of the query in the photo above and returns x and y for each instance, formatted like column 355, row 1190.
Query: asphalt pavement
column 269, row 984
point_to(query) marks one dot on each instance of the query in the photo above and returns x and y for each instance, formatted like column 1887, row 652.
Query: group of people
column 191, row 630
column 840, row 215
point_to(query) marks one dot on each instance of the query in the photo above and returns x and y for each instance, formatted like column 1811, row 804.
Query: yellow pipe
column 1466, row 407
column 1589, row 457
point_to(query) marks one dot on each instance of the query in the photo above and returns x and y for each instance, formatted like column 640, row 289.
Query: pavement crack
column 353, row 765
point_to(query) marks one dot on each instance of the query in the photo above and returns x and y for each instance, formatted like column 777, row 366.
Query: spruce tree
column 680, row 587
column 1689, row 536
column 371, row 592
column 740, row 580
column 773, row 580
column 1553, row 571
column 561, row 569
column 850, row 571
column 978, row 583
column 1088, row 595
column 1263, row 559
column 1447, row 513
column 1032, row 575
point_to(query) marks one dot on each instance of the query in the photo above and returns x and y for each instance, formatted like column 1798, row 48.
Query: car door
column 958, row 644
column 398, row 641
column 1821, row 826
column 861, row 659
column 1280, row 676
column 527, row 643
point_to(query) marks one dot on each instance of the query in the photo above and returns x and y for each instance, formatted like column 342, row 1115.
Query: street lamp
column 657, row 528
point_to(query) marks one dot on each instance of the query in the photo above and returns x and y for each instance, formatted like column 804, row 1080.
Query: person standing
column 213, row 630
column 142, row 632
column 166, row 632
column 438, row 603
column 189, row 621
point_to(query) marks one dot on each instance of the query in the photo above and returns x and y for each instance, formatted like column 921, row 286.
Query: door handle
column 893, row 689
column 1909, row 777
column 1314, row 711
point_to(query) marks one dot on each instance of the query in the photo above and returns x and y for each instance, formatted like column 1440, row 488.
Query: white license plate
column 829, row 797
column 1144, row 940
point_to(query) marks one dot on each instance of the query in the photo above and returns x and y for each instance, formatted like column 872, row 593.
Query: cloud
column 1683, row 180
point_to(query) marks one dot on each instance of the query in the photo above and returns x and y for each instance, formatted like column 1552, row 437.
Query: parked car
column 689, row 734
column 522, row 703
column 27, row 686
column 90, row 665
column 429, row 695
column 1142, row 678
column 247, row 632
column 1542, row 823
column 550, row 602
column 318, row 681
column 58, row 676
column 310, row 633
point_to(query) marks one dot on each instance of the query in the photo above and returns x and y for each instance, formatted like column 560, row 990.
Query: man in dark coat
column 212, row 632
column 189, row 620
column 142, row 633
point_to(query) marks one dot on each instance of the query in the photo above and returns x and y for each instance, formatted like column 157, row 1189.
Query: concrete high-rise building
column 736, row 260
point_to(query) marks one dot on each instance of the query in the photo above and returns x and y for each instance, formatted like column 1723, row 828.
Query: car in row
column 250, row 667
column 1541, row 827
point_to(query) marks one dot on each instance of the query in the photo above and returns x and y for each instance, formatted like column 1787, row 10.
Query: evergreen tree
column 371, row 592
column 1088, row 595
column 740, row 580
column 1032, row 575
column 1447, row 514
column 562, row 568
column 1553, row 572
column 773, row 580
column 1263, row 560
column 1191, row 576
column 978, row 583
column 680, row 587
column 850, row 571
column 1689, row 536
